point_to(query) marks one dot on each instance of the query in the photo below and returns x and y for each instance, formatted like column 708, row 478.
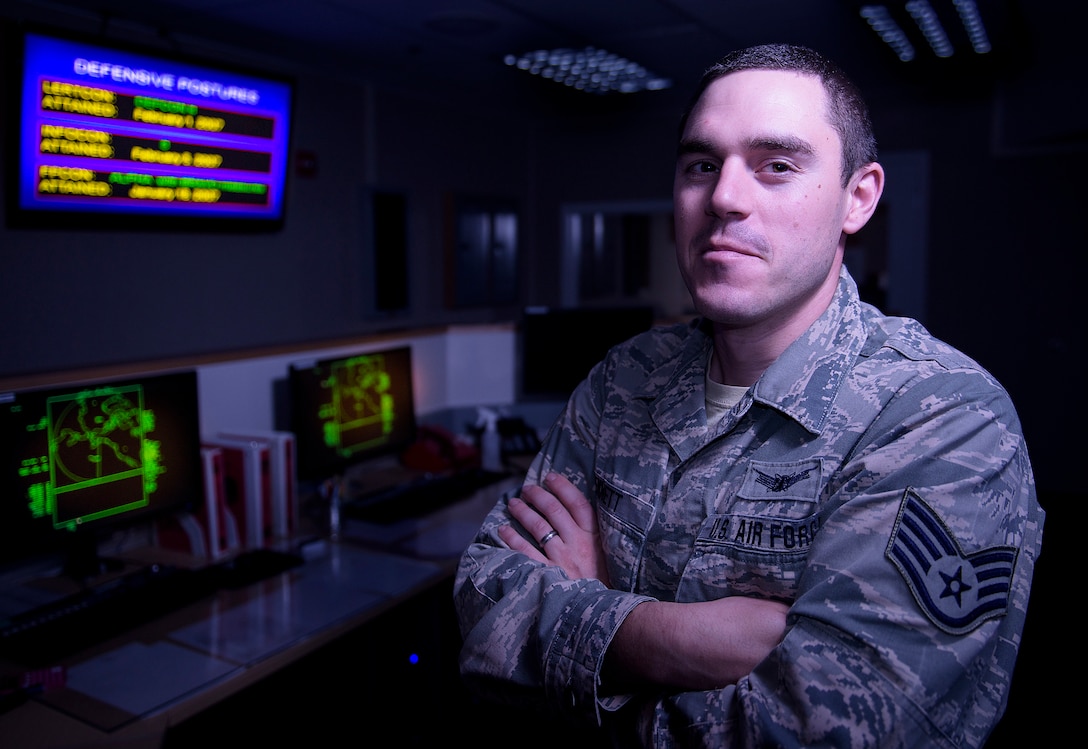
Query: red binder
column 248, row 478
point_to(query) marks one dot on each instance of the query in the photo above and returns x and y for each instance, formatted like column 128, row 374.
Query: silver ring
column 548, row 536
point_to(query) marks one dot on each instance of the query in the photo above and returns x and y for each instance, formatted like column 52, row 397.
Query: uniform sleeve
column 909, row 613
column 531, row 635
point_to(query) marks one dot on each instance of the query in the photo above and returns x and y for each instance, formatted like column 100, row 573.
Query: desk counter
column 130, row 690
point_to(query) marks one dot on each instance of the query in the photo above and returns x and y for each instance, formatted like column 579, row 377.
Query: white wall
column 463, row 366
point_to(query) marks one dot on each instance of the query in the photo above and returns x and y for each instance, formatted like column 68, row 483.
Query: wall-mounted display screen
column 113, row 137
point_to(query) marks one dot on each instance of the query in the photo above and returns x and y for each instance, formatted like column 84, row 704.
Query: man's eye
column 702, row 167
column 779, row 167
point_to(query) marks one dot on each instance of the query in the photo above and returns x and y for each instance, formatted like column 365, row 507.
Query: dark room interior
column 416, row 125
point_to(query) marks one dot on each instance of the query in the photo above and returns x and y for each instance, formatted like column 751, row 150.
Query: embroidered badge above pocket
column 799, row 480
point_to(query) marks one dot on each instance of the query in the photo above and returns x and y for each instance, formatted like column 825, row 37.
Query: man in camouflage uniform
column 795, row 521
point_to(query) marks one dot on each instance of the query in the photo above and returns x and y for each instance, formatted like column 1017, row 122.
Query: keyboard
column 419, row 497
column 49, row 633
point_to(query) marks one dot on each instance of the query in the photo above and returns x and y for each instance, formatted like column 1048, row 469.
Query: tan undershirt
column 720, row 398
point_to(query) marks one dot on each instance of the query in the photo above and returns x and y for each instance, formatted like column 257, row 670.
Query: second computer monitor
column 347, row 409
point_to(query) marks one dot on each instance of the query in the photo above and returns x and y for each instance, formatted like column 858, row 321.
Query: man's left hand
column 558, row 514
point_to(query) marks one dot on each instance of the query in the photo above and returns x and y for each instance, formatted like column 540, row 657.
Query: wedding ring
column 548, row 536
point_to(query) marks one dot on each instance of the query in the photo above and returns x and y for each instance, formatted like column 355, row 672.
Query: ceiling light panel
column 881, row 21
column 972, row 22
column 592, row 70
column 930, row 26
column 938, row 22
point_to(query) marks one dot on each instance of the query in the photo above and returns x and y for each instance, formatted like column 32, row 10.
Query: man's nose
column 731, row 194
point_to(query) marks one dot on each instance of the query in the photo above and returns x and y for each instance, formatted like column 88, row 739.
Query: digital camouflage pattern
column 874, row 478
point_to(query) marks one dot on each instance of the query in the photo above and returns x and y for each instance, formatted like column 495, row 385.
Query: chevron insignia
column 956, row 591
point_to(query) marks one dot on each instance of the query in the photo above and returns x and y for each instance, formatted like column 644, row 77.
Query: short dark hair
column 847, row 112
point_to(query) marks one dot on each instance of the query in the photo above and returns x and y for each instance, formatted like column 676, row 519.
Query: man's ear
column 863, row 194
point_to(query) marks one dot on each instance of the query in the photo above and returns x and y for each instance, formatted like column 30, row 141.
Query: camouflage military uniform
column 874, row 478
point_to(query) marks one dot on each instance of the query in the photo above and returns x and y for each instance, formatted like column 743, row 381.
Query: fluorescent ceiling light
column 888, row 30
column 972, row 22
column 592, row 70
column 883, row 22
column 923, row 14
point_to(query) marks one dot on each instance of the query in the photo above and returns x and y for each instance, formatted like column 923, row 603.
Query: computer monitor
column 348, row 409
column 80, row 461
column 559, row 345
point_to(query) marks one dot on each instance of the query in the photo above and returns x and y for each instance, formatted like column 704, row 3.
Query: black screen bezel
column 557, row 346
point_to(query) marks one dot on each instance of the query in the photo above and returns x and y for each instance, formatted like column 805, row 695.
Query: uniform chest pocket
column 622, row 519
column 739, row 554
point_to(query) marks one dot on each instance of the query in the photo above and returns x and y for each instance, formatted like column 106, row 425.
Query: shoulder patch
column 957, row 591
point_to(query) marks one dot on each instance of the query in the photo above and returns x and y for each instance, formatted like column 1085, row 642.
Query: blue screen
column 107, row 131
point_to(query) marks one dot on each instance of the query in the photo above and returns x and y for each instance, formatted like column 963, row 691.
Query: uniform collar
column 801, row 383
column 804, row 380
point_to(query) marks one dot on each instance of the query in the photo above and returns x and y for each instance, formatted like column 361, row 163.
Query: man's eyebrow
column 784, row 144
column 694, row 145
column 773, row 143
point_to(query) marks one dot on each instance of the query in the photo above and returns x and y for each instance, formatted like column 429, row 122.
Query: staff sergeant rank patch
column 957, row 591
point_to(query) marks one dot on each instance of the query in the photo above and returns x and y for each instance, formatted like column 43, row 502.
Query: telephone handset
column 438, row 450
